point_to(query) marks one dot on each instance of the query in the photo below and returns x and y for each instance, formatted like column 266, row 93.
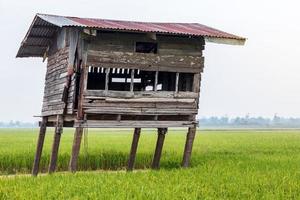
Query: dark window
column 119, row 79
column 146, row 47
column 166, row 81
column 185, row 82
column 96, row 78
column 144, row 80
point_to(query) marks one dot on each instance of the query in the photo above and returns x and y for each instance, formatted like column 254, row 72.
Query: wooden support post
column 176, row 82
column 132, row 80
column 134, row 145
column 159, row 145
column 106, row 79
column 156, row 81
column 39, row 146
column 188, row 146
column 56, row 141
column 75, row 149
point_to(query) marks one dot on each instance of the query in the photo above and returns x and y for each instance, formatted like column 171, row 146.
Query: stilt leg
column 188, row 146
column 56, row 141
column 75, row 149
column 39, row 146
column 134, row 145
column 159, row 146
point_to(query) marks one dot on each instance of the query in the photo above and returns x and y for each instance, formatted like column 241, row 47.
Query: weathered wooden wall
column 177, row 54
column 55, row 82
column 57, row 76
column 117, row 50
column 143, row 108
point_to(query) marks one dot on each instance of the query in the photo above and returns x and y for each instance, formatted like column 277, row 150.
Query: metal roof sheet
column 44, row 27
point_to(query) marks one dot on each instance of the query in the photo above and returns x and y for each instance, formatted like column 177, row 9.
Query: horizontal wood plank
column 133, row 124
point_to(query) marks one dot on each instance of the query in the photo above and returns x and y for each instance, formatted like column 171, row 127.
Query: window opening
column 185, row 82
column 96, row 78
column 146, row 47
column 166, row 81
column 144, row 80
column 119, row 79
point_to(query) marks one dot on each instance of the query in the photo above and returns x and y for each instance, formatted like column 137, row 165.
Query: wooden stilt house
column 108, row 73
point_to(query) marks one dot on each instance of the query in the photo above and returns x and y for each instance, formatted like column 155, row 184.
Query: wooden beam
column 176, row 82
column 188, row 146
column 138, row 60
column 196, row 83
column 134, row 145
column 106, row 79
column 56, row 141
column 159, row 145
column 156, row 81
column 139, row 94
column 133, row 124
column 75, row 149
column 132, row 80
column 39, row 146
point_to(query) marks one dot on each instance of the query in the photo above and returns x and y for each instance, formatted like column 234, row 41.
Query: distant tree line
column 18, row 124
column 208, row 122
column 250, row 122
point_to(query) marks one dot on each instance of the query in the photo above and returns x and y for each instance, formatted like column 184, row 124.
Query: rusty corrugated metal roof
column 44, row 27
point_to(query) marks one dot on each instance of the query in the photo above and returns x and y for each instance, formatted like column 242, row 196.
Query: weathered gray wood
column 55, row 81
column 150, row 67
column 196, row 83
column 54, row 112
column 132, row 80
column 133, row 124
column 139, row 59
column 155, row 81
column 153, row 100
column 140, row 94
column 106, row 79
column 39, row 146
column 141, row 111
column 176, row 82
column 147, row 104
column 80, row 112
column 159, row 146
column 188, row 146
column 177, row 45
column 56, row 142
column 134, row 146
column 75, row 149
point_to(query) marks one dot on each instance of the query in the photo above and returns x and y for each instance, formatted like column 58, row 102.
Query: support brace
column 56, row 141
column 188, row 147
column 39, row 146
column 159, row 145
column 75, row 149
column 134, row 145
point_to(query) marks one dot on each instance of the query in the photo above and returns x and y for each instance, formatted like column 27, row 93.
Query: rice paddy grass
column 226, row 164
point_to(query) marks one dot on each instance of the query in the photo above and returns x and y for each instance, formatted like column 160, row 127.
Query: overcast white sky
column 261, row 78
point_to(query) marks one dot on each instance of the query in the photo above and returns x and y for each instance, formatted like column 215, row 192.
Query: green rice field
column 226, row 164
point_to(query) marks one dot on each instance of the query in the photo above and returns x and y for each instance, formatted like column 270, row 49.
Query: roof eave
column 230, row 41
